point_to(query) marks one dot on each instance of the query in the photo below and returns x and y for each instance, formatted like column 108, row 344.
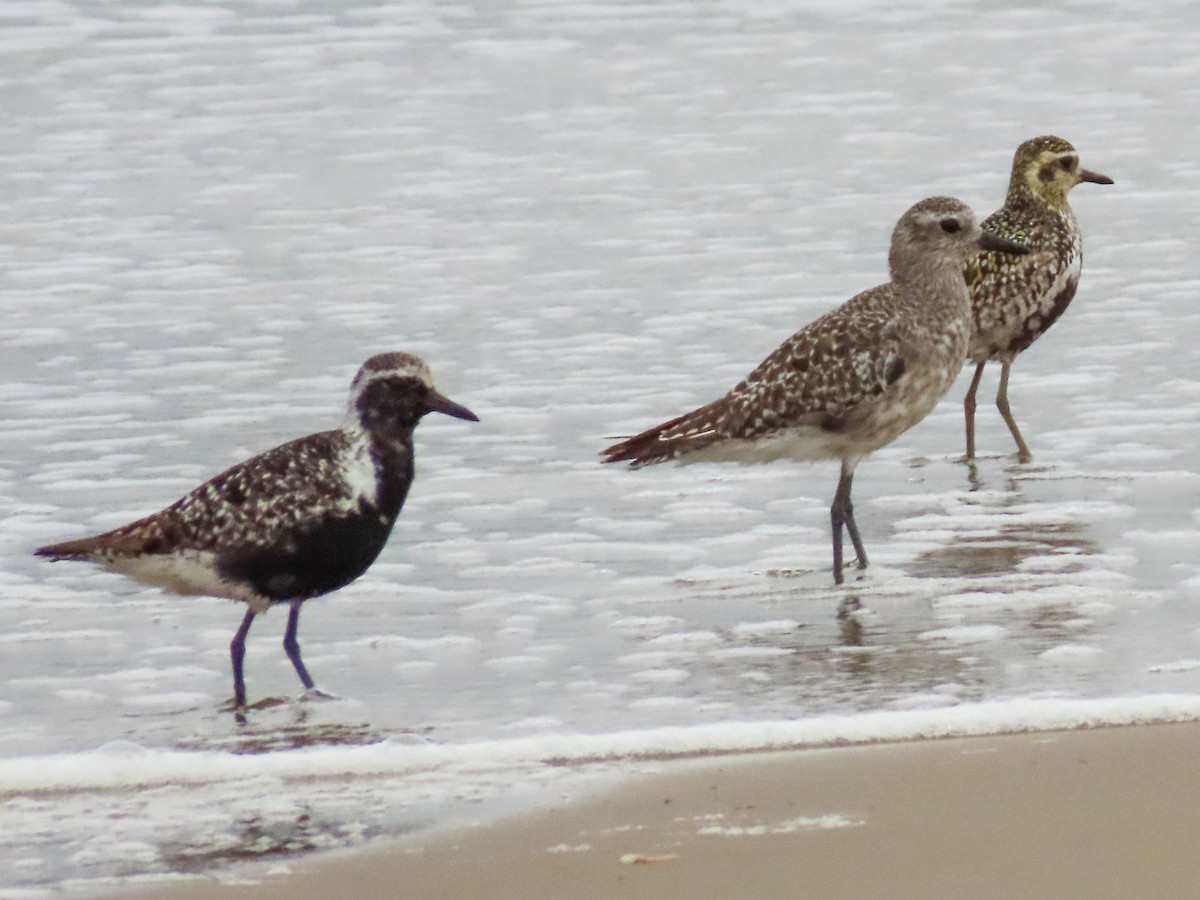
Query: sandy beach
column 1080, row 814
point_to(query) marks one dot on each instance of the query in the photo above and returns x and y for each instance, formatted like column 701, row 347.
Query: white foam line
column 108, row 769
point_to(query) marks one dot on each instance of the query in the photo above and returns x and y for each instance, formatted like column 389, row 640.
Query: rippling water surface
column 587, row 217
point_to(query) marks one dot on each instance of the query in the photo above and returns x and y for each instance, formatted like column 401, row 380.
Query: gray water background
column 587, row 217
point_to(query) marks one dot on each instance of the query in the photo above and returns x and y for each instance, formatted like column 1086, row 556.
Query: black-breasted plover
column 298, row 521
column 1014, row 300
column 853, row 380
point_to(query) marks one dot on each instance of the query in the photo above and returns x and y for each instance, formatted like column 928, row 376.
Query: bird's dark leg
column 292, row 647
column 1023, row 454
column 969, row 412
column 237, row 652
column 842, row 513
column 852, row 527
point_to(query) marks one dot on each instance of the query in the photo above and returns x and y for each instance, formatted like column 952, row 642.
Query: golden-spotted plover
column 298, row 521
column 1014, row 300
column 853, row 380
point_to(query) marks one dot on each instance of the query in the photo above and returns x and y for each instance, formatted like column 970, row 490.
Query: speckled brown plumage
column 295, row 522
column 1014, row 300
column 826, row 376
column 853, row 380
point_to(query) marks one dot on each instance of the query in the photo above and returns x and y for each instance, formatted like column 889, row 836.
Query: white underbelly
column 805, row 442
column 873, row 425
column 192, row 574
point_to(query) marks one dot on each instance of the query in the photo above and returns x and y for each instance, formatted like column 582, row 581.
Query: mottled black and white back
column 295, row 522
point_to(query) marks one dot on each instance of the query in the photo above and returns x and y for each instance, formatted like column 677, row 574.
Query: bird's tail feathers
column 682, row 435
column 131, row 540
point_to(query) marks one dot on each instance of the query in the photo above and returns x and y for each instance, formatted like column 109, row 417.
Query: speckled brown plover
column 1014, row 300
column 296, row 522
column 853, row 380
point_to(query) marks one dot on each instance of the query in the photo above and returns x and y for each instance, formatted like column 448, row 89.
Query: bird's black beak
column 1094, row 177
column 989, row 241
column 438, row 403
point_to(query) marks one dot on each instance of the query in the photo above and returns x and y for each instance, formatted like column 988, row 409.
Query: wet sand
column 1082, row 814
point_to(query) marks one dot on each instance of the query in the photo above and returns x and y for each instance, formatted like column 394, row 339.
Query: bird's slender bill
column 439, row 403
column 1094, row 177
column 989, row 241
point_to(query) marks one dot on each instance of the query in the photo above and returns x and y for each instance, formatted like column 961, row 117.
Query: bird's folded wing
column 256, row 501
column 816, row 377
column 820, row 374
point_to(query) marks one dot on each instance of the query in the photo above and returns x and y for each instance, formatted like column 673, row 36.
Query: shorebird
column 1014, row 300
column 853, row 380
column 296, row 522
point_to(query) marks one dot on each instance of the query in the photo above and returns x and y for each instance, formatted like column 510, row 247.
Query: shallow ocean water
column 587, row 217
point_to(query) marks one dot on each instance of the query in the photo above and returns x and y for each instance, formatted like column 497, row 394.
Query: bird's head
column 1046, row 168
column 940, row 234
column 392, row 391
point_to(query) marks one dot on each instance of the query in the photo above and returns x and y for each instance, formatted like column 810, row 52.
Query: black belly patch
column 1039, row 322
column 314, row 560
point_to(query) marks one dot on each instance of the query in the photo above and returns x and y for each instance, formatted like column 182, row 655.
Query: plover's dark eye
column 1067, row 162
column 950, row 225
